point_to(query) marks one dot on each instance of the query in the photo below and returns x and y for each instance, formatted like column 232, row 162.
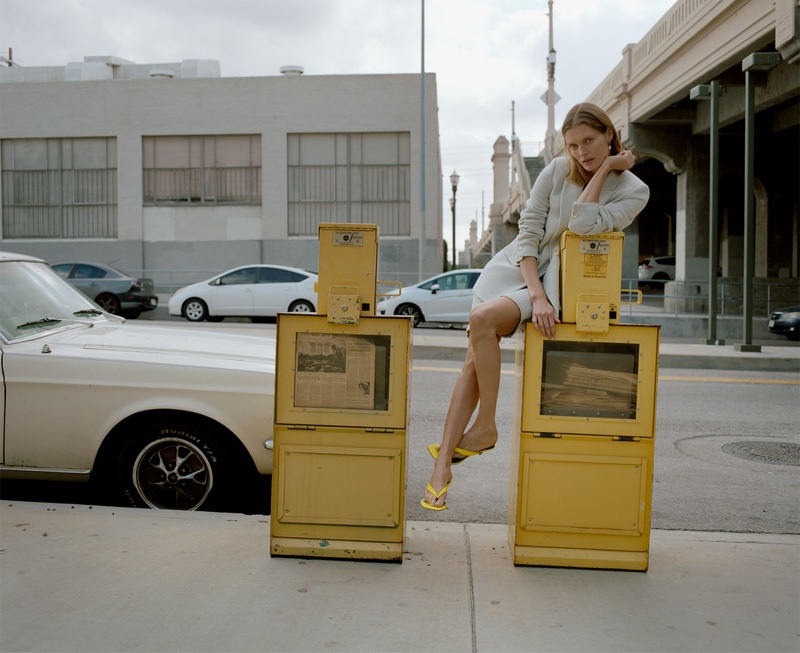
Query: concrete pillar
column 501, row 167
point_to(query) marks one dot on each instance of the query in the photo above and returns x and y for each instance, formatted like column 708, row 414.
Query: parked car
column 657, row 270
column 114, row 291
column 247, row 291
column 444, row 298
column 157, row 416
column 786, row 322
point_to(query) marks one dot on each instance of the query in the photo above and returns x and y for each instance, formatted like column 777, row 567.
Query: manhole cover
column 775, row 453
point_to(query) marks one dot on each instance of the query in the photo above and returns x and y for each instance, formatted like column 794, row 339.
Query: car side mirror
column 434, row 288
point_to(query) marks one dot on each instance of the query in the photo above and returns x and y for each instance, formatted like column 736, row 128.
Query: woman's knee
column 498, row 317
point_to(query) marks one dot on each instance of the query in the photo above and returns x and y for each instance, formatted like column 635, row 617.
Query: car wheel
column 109, row 303
column 174, row 465
column 301, row 306
column 195, row 310
column 412, row 311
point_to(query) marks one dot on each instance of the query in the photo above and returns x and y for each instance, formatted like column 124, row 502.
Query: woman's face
column 588, row 146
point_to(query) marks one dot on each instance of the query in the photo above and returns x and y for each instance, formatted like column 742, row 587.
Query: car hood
column 162, row 344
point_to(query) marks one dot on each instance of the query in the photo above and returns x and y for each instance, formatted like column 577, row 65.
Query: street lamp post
column 711, row 92
column 454, row 183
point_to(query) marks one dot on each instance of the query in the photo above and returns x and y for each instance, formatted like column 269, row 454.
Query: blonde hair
column 589, row 114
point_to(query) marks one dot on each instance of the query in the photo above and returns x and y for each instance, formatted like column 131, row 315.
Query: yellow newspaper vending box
column 582, row 461
column 341, row 415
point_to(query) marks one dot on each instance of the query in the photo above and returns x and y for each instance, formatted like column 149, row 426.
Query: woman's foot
column 436, row 491
column 438, row 498
column 474, row 442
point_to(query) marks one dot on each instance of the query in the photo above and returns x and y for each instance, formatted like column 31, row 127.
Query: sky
column 486, row 54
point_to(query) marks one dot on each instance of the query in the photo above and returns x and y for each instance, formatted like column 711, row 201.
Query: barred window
column 59, row 187
column 353, row 177
column 202, row 169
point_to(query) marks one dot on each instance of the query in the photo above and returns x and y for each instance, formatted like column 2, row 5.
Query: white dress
column 550, row 210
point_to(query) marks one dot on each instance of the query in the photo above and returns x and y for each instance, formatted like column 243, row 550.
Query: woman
column 590, row 191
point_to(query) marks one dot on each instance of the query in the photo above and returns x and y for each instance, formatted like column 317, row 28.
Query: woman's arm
column 628, row 198
column 622, row 161
column 533, row 218
column 544, row 316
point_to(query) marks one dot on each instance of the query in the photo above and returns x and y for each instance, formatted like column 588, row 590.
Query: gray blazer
column 551, row 210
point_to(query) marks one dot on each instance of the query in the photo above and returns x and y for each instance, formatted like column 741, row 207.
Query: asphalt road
column 698, row 485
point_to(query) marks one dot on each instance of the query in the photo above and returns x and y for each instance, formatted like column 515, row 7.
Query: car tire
column 412, row 310
column 174, row 464
column 195, row 310
column 301, row 306
column 109, row 303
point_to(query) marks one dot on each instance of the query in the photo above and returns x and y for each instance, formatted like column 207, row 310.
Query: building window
column 59, row 188
column 202, row 169
column 359, row 178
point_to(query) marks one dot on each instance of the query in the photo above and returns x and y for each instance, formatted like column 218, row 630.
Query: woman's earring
column 609, row 147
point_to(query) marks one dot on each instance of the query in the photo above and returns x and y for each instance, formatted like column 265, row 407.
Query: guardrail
column 691, row 297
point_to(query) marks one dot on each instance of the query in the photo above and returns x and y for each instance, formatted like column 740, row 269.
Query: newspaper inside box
column 591, row 384
column 342, row 375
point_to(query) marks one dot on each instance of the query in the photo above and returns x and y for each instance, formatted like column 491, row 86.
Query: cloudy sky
column 486, row 54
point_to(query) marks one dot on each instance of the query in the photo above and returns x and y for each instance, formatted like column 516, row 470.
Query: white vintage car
column 168, row 417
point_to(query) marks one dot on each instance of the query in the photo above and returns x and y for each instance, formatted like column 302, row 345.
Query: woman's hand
column 544, row 316
column 622, row 161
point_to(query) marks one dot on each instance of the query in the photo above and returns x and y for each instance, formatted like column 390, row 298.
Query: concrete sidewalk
column 80, row 578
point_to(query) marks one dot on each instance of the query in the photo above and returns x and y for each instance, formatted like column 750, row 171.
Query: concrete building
column 649, row 97
column 176, row 171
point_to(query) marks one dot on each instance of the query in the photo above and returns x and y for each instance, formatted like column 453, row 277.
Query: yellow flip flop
column 433, row 450
column 430, row 489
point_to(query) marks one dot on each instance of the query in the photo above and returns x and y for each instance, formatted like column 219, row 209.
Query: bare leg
column 488, row 323
column 477, row 385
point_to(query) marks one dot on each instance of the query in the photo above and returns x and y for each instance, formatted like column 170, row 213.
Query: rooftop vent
column 291, row 70
column 162, row 72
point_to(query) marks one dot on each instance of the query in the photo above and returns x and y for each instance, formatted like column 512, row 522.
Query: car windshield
column 34, row 299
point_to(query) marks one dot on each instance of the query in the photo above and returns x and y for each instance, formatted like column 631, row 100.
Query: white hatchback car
column 247, row 291
column 445, row 298
column 657, row 269
column 158, row 416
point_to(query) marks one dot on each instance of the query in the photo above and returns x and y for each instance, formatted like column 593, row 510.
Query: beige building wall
column 128, row 101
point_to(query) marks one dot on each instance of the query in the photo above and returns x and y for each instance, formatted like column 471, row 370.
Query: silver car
column 158, row 416
column 112, row 290
column 445, row 298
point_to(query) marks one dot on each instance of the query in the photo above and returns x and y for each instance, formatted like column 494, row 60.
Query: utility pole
column 551, row 97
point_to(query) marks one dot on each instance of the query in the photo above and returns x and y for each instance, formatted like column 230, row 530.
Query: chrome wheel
column 172, row 474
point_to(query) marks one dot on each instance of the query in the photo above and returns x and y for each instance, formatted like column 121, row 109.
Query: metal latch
column 344, row 305
column 302, row 427
column 378, row 429
column 591, row 313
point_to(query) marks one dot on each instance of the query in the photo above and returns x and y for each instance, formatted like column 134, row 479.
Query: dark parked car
column 786, row 322
column 114, row 291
